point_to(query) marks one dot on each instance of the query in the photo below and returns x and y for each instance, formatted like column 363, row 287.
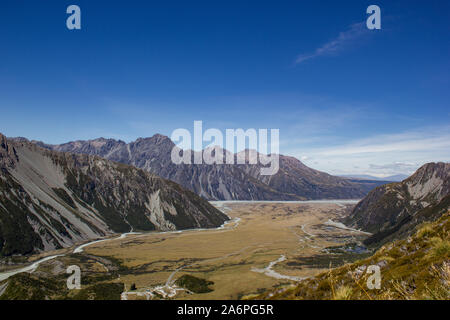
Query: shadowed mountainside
column 50, row 199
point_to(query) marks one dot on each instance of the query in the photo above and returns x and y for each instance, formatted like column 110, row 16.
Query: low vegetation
column 194, row 284
column 100, row 291
column 417, row 267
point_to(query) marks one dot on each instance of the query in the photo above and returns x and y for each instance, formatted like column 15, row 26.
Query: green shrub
column 194, row 284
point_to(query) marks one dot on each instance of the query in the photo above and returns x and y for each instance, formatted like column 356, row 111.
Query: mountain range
column 58, row 195
column 51, row 199
column 293, row 181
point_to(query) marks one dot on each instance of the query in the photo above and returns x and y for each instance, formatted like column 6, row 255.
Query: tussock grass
column 386, row 258
column 425, row 232
column 442, row 290
column 415, row 268
column 441, row 248
column 343, row 293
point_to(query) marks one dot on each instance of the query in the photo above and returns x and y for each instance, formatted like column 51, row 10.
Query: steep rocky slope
column 53, row 199
column 294, row 180
column 393, row 210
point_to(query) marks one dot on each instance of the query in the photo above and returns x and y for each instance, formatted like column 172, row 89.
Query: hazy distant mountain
column 396, row 177
column 393, row 210
column 51, row 199
column 294, row 180
column 393, row 178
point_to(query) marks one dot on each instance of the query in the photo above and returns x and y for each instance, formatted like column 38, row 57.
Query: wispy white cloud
column 381, row 155
column 343, row 40
column 390, row 143
column 394, row 167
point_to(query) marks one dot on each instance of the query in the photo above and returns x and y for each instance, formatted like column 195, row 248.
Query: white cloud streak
column 344, row 39
column 382, row 155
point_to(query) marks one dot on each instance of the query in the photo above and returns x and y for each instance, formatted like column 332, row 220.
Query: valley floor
column 264, row 246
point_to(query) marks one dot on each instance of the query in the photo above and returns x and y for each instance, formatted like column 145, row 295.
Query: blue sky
column 346, row 99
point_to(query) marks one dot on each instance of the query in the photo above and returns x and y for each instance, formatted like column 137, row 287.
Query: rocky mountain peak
column 440, row 169
column 157, row 139
column 431, row 182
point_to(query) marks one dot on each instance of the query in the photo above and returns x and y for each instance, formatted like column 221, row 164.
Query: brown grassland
column 227, row 257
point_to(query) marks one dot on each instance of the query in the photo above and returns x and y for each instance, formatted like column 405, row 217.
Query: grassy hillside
column 417, row 267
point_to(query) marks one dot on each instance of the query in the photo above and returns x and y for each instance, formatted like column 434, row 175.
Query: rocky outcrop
column 8, row 156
